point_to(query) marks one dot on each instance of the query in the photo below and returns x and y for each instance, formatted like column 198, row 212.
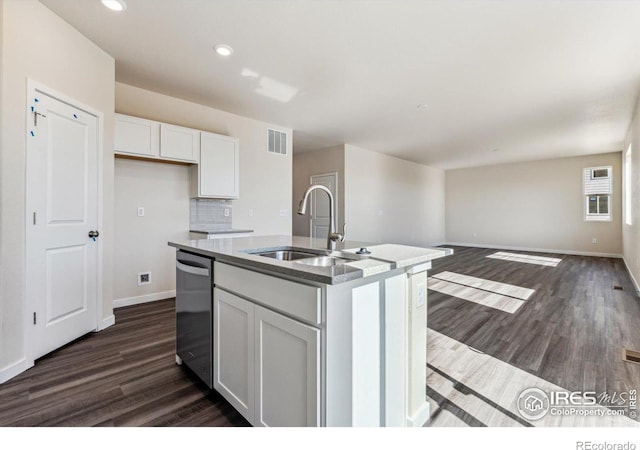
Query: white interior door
column 319, row 218
column 62, row 208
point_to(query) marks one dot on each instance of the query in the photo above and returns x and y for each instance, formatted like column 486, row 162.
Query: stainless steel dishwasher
column 194, row 314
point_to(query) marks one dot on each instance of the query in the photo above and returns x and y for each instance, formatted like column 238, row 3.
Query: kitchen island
column 304, row 336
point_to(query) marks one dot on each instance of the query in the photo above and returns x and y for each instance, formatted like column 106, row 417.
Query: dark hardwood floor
column 570, row 332
column 123, row 376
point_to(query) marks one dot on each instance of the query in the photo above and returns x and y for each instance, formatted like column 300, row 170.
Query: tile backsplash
column 208, row 214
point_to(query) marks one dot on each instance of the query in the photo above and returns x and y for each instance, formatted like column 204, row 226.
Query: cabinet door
column 179, row 143
column 218, row 172
column 287, row 377
column 233, row 351
column 136, row 136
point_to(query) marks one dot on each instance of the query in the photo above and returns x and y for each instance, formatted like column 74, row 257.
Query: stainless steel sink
column 324, row 261
column 310, row 257
column 287, row 255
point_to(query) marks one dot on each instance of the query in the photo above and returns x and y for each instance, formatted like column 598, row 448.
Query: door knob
column 94, row 234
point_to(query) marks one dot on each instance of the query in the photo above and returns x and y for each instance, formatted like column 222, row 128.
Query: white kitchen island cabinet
column 297, row 344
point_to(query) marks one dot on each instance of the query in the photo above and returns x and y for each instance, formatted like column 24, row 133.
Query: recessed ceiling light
column 223, row 50
column 115, row 5
column 422, row 106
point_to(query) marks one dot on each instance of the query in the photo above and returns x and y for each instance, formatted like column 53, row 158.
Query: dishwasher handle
column 203, row 272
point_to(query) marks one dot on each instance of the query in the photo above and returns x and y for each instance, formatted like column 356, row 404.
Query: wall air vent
column 277, row 142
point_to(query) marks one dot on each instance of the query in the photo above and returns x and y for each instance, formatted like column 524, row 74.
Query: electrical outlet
column 475, row 234
column 251, row 213
column 140, row 211
column 594, row 241
column 226, row 212
column 144, row 278
column 421, row 295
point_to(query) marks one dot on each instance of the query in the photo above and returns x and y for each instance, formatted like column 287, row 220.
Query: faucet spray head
column 302, row 208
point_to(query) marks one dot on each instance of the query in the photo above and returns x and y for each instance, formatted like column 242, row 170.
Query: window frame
column 599, row 216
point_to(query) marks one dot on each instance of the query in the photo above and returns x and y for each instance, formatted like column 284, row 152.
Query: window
column 627, row 187
column 597, row 193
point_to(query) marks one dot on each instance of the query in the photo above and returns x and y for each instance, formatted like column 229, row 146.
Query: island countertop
column 383, row 257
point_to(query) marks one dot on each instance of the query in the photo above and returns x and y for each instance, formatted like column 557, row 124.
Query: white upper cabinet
column 135, row 136
column 150, row 139
column 219, row 169
column 179, row 143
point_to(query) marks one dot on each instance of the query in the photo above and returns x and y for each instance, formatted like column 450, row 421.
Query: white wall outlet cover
column 226, row 212
column 251, row 213
column 141, row 211
column 594, row 241
column 421, row 295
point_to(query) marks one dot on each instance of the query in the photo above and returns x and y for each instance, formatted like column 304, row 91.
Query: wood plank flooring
column 569, row 333
column 123, row 376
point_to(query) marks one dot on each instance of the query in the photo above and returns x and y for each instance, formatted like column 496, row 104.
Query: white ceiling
column 532, row 79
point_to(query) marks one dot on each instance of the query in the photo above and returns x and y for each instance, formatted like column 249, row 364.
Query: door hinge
column 34, row 318
column 34, row 217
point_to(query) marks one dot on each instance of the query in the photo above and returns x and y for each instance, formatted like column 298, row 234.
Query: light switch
column 141, row 211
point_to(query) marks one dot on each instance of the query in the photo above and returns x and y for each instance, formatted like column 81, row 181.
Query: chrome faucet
column 333, row 236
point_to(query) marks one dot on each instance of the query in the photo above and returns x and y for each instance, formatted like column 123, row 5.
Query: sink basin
column 323, row 261
column 287, row 255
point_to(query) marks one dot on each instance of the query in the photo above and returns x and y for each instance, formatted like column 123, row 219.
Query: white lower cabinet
column 287, row 381
column 265, row 364
column 233, row 365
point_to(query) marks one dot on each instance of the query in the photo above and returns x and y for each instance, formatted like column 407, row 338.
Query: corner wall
column 307, row 164
column 39, row 45
column 537, row 205
column 631, row 233
column 391, row 200
column 163, row 189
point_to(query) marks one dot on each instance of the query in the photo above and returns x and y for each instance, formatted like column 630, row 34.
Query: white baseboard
column 107, row 322
column 537, row 250
column 633, row 280
column 14, row 369
column 119, row 303
column 420, row 417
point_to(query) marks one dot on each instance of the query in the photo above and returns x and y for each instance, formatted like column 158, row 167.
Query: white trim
column 106, row 322
column 636, row 285
column 119, row 303
column 421, row 417
column 32, row 88
column 539, row 250
column 14, row 369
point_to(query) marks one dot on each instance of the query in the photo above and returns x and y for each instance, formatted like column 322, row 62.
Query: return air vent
column 277, row 142
column 630, row 356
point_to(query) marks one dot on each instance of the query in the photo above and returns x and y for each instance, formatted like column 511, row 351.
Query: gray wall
column 315, row 163
column 265, row 190
column 631, row 233
column 392, row 200
column 535, row 205
column 39, row 45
